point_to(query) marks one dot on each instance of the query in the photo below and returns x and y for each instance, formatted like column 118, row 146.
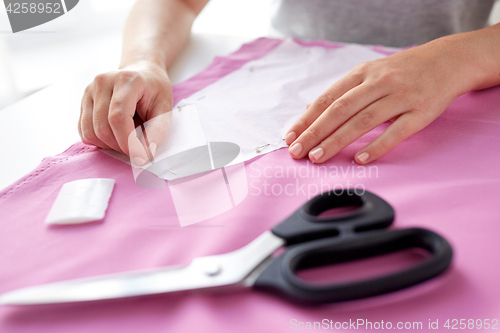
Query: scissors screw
column 212, row 269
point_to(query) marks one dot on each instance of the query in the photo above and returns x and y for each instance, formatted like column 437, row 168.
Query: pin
column 171, row 172
column 148, row 151
column 202, row 97
column 258, row 149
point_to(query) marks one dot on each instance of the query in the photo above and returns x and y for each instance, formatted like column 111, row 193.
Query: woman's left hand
column 411, row 88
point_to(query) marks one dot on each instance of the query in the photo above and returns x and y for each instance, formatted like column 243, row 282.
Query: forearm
column 157, row 30
column 476, row 55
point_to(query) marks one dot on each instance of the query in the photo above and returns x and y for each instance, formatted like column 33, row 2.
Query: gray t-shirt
column 385, row 22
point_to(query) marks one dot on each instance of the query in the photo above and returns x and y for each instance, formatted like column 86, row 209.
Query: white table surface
column 45, row 123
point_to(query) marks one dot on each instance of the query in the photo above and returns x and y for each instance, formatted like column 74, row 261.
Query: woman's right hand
column 111, row 101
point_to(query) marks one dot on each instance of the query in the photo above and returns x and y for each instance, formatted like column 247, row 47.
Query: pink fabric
column 445, row 178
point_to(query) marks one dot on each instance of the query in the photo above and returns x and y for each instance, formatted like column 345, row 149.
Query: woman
column 411, row 88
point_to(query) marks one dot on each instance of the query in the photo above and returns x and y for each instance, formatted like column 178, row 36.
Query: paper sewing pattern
column 257, row 104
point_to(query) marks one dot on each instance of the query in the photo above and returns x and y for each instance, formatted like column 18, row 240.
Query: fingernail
column 152, row 148
column 317, row 153
column 296, row 149
column 290, row 137
column 363, row 157
column 139, row 161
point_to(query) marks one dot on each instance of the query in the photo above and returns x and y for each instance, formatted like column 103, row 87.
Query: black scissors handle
column 305, row 224
column 353, row 239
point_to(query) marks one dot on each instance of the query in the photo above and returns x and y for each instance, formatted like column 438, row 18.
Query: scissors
column 309, row 240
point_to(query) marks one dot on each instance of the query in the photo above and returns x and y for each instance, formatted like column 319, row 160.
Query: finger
column 102, row 98
column 87, row 125
column 158, row 117
column 334, row 116
column 122, row 109
column 403, row 127
column 86, row 99
column 157, row 127
column 79, row 125
column 363, row 122
column 307, row 106
column 321, row 103
column 157, row 112
column 137, row 147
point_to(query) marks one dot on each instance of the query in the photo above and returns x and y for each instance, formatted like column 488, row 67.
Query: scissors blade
column 97, row 288
column 205, row 272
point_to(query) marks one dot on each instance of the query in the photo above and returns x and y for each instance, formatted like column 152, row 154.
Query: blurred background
column 90, row 35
